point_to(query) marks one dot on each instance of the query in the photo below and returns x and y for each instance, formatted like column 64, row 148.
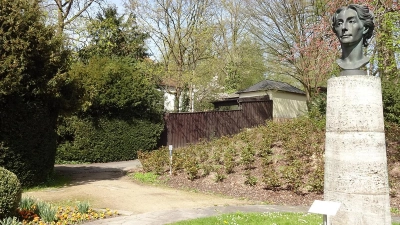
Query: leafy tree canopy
column 31, row 61
column 114, row 86
column 114, row 35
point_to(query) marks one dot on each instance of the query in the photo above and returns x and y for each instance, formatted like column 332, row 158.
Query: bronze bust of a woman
column 353, row 25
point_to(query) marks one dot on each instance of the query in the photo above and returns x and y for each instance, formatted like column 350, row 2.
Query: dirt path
column 106, row 186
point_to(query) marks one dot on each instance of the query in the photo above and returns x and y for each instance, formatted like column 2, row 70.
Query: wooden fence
column 185, row 128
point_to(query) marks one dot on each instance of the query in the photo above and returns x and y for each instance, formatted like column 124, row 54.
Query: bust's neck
column 353, row 65
column 352, row 52
column 352, row 56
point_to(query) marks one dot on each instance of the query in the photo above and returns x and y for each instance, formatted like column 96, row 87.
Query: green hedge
column 10, row 193
column 28, row 139
column 105, row 139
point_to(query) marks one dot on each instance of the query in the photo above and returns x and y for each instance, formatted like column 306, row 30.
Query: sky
column 120, row 7
column 118, row 3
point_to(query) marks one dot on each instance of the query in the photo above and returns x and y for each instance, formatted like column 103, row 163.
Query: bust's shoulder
column 352, row 65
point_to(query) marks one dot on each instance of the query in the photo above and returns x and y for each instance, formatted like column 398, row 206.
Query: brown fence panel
column 185, row 128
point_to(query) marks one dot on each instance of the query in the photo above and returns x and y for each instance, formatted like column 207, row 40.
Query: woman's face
column 349, row 28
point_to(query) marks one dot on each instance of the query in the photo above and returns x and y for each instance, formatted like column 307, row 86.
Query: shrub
column 293, row 175
column 10, row 221
column 31, row 80
column 120, row 111
column 248, row 156
column 219, row 174
column 10, row 193
column 191, row 167
column 103, row 139
column 391, row 101
column 155, row 161
column 206, row 169
column 229, row 160
column 250, row 180
column 271, row 178
column 29, row 139
column 316, row 181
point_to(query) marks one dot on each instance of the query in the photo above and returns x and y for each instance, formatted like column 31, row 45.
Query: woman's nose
column 344, row 26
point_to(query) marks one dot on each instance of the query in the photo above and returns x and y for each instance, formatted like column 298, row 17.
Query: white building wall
column 169, row 102
column 286, row 105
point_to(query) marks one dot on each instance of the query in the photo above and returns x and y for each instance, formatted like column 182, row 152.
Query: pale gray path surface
column 170, row 216
column 156, row 215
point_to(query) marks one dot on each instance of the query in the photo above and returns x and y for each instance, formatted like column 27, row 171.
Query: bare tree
column 181, row 32
column 297, row 39
column 65, row 12
column 239, row 55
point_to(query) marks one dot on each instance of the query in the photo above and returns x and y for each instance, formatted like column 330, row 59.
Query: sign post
column 170, row 159
column 325, row 208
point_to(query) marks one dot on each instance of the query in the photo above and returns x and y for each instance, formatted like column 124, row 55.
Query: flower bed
column 31, row 212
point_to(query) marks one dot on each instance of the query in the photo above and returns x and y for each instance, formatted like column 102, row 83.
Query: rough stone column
column 355, row 153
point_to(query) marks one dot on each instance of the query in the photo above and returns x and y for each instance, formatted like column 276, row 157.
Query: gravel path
column 106, row 186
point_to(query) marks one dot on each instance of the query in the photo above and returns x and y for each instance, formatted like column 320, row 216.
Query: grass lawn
column 258, row 218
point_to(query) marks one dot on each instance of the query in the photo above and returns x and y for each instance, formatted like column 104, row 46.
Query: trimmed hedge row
column 27, row 139
column 93, row 139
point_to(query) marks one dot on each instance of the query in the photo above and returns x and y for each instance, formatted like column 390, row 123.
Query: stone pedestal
column 355, row 153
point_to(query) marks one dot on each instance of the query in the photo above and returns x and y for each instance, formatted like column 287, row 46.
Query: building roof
column 266, row 85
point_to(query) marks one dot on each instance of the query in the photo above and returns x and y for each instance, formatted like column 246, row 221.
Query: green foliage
column 54, row 180
column 248, row 156
column 257, row 218
column 229, row 160
column 250, row 180
column 206, row 169
column 28, row 139
column 295, row 147
column 83, row 207
column 391, row 101
column 317, row 106
column 293, row 175
column 216, row 155
column 116, row 87
column 155, row 161
column 10, row 193
column 27, row 203
column 394, row 210
column 32, row 79
column 10, row 221
column 244, row 66
column 317, row 180
column 219, row 174
column 271, row 178
column 46, row 211
column 119, row 107
column 31, row 56
column 114, row 35
column 191, row 167
column 282, row 156
column 120, row 113
column 388, row 48
column 99, row 139
column 149, row 178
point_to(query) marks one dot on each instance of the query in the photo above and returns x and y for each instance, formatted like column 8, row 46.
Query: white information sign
column 170, row 150
column 324, row 207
